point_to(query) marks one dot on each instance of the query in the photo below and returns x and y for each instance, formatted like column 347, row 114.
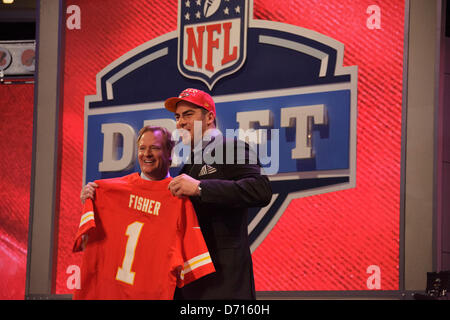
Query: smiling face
column 153, row 157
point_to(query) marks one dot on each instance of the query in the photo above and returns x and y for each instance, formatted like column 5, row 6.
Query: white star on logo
column 197, row 15
column 199, row 2
column 187, row 16
column 188, row 4
column 226, row 11
column 237, row 9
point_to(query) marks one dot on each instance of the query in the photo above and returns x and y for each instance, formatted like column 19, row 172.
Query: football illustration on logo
column 210, row 7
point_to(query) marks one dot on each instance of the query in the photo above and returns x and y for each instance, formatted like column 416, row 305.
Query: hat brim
column 171, row 103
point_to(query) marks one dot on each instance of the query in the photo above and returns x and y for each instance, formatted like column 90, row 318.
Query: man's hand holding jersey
column 184, row 186
column 88, row 191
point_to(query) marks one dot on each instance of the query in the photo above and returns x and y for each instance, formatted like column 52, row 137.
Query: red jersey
column 141, row 241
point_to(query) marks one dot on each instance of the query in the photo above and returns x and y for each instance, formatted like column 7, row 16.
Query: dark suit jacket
column 227, row 191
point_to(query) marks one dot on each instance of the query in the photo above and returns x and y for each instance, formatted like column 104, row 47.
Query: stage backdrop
column 320, row 81
column 16, row 144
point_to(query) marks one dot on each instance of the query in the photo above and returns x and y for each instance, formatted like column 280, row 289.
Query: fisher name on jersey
column 139, row 241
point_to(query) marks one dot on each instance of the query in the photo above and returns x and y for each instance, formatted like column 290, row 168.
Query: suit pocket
column 208, row 171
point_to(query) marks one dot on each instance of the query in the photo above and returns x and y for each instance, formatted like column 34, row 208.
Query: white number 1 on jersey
column 124, row 272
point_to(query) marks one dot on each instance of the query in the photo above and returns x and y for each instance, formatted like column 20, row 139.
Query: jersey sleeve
column 195, row 258
column 87, row 222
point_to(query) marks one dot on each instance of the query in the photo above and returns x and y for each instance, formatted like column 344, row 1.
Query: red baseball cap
column 195, row 96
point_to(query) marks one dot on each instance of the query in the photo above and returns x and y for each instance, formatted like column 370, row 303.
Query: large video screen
column 322, row 79
column 16, row 126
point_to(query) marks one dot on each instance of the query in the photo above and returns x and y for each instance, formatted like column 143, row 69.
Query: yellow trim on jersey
column 86, row 217
column 195, row 263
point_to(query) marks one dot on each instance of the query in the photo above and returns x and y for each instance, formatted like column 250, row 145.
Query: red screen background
column 16, row 132
column 323, row 242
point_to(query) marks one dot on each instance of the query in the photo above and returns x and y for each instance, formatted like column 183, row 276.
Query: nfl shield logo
column 212, row 38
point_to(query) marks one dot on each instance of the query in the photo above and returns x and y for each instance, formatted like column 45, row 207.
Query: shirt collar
column 145, row 177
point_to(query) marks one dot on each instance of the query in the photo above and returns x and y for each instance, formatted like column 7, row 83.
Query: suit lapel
column 193, row 169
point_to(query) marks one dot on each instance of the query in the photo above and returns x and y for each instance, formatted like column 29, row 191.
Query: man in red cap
column 190, row 106
column 221, row 194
